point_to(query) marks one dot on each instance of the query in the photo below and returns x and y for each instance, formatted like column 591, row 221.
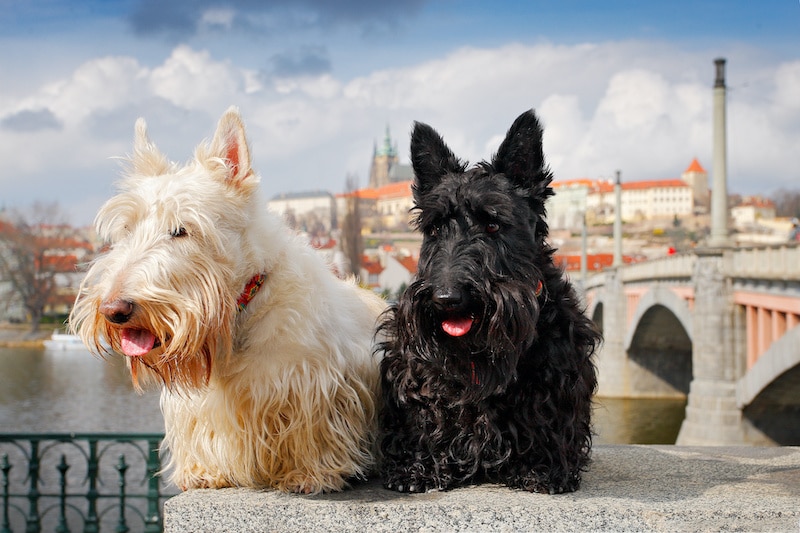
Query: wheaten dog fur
column 281, row 394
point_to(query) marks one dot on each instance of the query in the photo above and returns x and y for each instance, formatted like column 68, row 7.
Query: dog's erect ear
column 520, row 156
column 230, row 145
column 431, row 158
column 147, row 160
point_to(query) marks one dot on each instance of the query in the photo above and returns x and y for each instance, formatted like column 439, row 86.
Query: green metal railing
column 81, row 482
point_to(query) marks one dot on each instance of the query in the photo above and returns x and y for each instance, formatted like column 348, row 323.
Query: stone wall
column 628, row 488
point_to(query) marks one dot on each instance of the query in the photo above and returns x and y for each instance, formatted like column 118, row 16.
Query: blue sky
column 619, row 85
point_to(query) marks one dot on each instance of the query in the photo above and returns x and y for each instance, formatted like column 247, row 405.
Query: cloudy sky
column 619, row 85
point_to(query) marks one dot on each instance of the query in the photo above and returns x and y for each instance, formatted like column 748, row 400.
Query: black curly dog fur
column 487, row 372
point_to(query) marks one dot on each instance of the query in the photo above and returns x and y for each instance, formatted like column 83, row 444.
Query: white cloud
column 104, row 83
column 644, row 109
column 564, row 127
column 635, row 101
column 218, row 18
column 323, row 87
column 787, row 87
column 192, row 80
column 643, row 125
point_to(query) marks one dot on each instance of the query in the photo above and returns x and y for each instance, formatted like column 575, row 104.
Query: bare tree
column 787, row 203
column 27, row 263
column 352, row 243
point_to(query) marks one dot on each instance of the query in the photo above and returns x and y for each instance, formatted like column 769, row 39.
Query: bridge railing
column 679, row 267
column 81, row 482
column 775, row 262
column 766, row 262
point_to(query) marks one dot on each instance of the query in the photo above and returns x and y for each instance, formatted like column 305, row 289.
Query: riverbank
column 20, row 335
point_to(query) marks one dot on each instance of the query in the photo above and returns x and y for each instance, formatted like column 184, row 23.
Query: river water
column 73, row 391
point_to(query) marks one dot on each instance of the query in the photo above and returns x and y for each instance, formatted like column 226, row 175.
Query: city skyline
column 622, row 85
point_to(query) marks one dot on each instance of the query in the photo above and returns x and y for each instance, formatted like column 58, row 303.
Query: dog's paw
column 411, row 484
column 408, row 486
column 545, row 485
column 201, row 479
column 312, row 483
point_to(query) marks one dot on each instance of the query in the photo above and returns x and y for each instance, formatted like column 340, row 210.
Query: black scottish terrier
column 487, row 372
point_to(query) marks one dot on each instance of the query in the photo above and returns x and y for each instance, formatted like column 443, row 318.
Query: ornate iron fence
column 81, row 482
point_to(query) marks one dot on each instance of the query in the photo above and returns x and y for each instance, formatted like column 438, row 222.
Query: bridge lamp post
column 617, row 221
column 579, row 207
column 584, row 265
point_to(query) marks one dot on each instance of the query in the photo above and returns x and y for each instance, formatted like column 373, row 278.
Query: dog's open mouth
column 136, row 342
column 457, row 326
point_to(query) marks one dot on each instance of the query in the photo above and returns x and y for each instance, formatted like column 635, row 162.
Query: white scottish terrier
column 265, row 357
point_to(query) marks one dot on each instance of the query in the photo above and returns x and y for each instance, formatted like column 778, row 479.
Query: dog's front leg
column 411, row 459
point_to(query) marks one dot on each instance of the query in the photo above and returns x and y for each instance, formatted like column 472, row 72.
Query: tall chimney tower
column 719, row 183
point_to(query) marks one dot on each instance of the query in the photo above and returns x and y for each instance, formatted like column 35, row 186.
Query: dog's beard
column 188, row 328
column 485, row 358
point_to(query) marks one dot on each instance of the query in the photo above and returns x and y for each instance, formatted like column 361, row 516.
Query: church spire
column 384, row 158
column 387, row 149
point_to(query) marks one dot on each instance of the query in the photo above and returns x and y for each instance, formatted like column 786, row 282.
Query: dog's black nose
column 449, row 299
column 117, row 311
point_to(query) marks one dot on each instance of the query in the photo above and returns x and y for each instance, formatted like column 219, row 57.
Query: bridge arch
column 664, row 297
column 595, row 313
column 767, row 393
column 659, row 345
column 595, row 302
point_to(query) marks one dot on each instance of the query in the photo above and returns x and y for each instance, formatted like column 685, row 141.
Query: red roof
column 578, row 182
column 695, row 166
column 756, row 201
column 409, row 263
column 60, row 263
column 399, row 189
column 652, row 184
column 607, row 186
column 371, row 266
column 364, row 194
column 323, row 243
column 593, row 261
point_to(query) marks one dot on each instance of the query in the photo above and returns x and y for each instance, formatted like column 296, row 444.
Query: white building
column 393, row 204
column 641, row 200
column 752, row 211
column 398, row 272
column 566, row 208
column 311, row 212
column 658, row 199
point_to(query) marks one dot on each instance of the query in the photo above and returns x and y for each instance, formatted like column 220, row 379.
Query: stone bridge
column 717, row 326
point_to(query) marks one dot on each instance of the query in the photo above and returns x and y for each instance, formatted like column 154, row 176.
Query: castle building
column 697, row 178
column 641, row 200
column 386, row 167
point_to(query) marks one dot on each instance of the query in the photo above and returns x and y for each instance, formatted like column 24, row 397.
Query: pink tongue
column 456, row 327
column 136, row 342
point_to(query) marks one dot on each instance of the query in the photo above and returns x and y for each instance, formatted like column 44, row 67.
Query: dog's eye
column 492, row 227
column 178, row 232
column 433, row 232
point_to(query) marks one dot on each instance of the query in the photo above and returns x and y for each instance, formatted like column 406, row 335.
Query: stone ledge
column 629, row 488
